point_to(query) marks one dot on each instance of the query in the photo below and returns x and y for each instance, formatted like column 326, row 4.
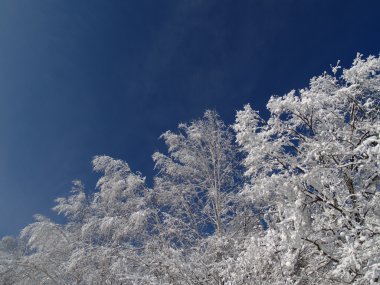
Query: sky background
column 80, row 78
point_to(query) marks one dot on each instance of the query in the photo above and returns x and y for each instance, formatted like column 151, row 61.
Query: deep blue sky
column 80, row 78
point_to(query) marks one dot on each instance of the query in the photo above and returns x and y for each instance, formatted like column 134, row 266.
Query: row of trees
column 292, row 199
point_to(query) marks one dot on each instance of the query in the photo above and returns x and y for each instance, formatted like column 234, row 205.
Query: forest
column 292, row 197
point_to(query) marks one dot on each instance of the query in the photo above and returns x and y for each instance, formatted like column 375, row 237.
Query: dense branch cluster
column 289, row 199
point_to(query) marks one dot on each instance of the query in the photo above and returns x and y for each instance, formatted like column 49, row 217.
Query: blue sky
column 80, row 78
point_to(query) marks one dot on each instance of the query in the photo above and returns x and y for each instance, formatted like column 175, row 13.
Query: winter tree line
column 293, row 198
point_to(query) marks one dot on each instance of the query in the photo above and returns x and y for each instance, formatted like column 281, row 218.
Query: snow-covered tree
column 199, row 172
column 99, row 244
column 197, row 188
column 314, row 166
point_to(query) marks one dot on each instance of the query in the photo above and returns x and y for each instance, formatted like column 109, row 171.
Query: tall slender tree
column 198, row 182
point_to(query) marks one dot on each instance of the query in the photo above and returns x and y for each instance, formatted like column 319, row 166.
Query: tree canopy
column 291, row 198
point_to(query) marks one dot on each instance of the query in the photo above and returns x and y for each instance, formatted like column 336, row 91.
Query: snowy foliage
column 307, row 210
column 314, row 168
